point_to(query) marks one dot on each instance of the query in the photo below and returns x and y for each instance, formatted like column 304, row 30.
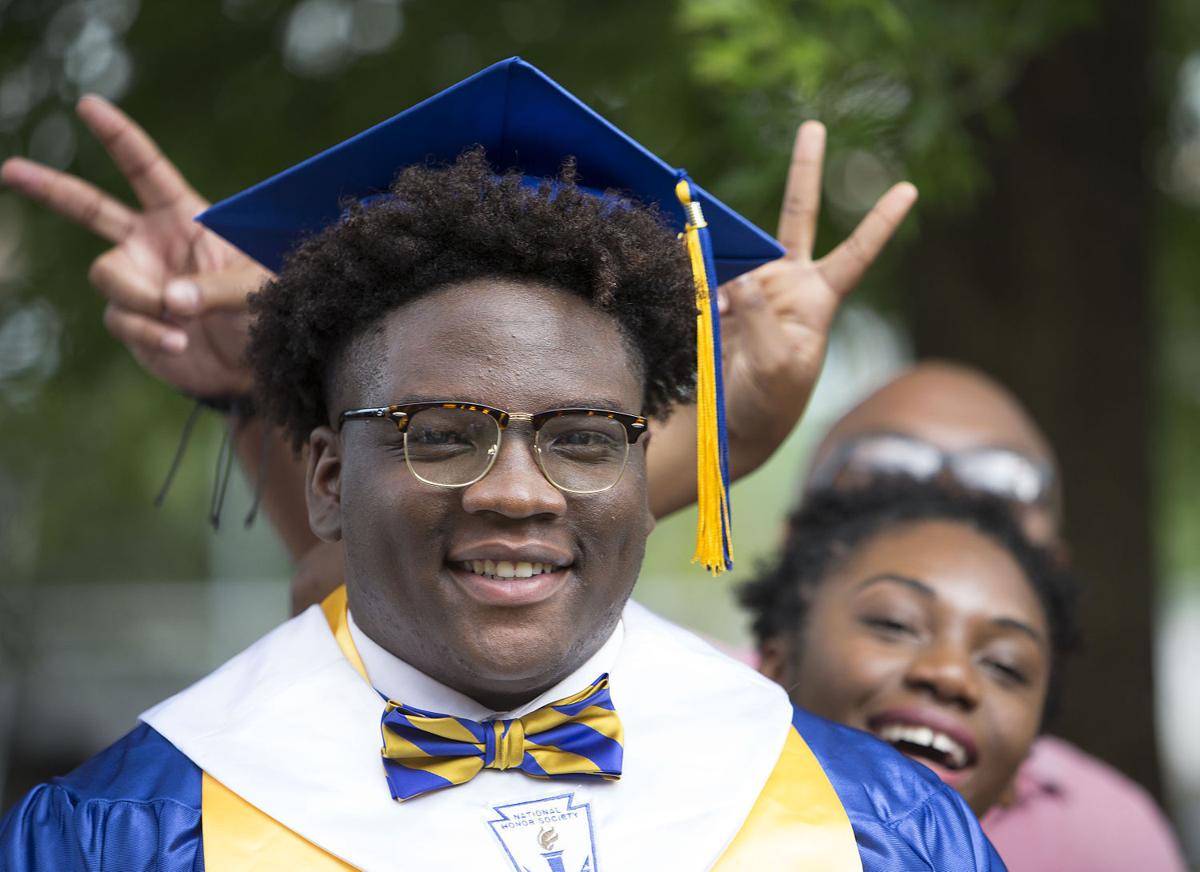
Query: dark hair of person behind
column 447, row 225
column 829, row 525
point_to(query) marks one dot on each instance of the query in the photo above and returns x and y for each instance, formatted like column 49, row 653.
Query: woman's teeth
column 507, row 568
column 951, row 753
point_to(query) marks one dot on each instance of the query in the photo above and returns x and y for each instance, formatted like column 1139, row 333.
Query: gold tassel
column 714, row 543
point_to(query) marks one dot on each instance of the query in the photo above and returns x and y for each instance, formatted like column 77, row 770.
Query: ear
column 644, row 444
column 773, row 660
column 323, row 484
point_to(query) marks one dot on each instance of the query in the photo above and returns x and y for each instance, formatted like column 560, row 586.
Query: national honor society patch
column 547, row 835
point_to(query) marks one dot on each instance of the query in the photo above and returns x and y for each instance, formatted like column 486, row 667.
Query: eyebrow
column 1020, row 626
column 928, row 592
column 918, row 586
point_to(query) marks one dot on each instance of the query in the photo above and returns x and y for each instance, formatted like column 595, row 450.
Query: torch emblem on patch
column 547, row 835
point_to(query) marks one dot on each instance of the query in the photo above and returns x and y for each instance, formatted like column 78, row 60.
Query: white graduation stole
column 797, row 822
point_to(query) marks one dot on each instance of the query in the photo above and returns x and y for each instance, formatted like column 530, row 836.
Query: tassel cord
column 714, row 548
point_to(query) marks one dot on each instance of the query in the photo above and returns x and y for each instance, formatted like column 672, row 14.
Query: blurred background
column 1056, row 246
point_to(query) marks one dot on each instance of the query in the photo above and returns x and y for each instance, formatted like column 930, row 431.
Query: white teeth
column 954, row 752
column 924, row 737
column 507, row 568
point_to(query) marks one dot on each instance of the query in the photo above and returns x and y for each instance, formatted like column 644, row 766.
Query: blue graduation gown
column 136, row 806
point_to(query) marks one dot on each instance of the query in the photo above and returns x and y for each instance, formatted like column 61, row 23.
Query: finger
column 222, row 291
column 153, row 178
column 70, row 197
column 120, row 282
column 141, row 334
column 802, row 195
column 844, row 266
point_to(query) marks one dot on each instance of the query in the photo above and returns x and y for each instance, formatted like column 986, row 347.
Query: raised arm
column 176, row 293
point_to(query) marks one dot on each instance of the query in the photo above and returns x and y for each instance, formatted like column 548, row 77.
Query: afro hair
column 444, row 225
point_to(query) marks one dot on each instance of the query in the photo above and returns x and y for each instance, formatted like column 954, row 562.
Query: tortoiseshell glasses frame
column 578, row 450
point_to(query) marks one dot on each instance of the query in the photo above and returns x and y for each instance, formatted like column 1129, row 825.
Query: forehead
column 519, row 345
column 969, row 573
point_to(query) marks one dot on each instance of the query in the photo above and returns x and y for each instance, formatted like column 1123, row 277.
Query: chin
column 981, row 800
column 514, row 653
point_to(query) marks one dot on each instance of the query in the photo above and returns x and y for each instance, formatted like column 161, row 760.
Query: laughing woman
column 925, row 618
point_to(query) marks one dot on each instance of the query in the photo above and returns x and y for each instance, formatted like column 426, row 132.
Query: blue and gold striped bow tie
column 579, row 736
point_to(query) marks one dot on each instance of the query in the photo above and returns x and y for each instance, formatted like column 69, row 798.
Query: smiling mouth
column 500, row 569
column 926, row 744
column 510, row 583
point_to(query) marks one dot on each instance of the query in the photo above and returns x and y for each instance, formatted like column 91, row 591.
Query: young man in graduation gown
column 472, row 356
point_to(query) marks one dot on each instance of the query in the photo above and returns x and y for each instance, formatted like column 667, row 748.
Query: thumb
column 223, row 290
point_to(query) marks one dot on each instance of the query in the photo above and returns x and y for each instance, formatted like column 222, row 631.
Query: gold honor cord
column 714, row 533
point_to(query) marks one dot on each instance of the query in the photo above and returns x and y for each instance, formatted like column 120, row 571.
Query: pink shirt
column 1073, row 813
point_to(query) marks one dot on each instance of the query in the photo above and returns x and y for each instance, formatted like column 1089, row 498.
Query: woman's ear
column 773, row 660
column 323, row 484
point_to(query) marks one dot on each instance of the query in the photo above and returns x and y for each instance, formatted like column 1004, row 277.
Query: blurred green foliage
column 236, row 90
column 899, row 79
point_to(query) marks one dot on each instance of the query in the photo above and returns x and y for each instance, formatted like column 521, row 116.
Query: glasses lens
column 1002, row 473
column 450, row 447
column 582, row 453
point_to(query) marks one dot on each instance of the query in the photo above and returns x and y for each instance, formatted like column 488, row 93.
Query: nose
column 515, row 486
column 944, row 670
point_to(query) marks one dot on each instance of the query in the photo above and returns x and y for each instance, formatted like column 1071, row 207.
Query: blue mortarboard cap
column 523, row 119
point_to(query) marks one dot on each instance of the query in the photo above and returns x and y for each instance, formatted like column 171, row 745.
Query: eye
column 584, row 437
column 1006, row 672
column 428, row 444
column 889, row 627
column 435, row 437
column 580, row 444
column 431, row 436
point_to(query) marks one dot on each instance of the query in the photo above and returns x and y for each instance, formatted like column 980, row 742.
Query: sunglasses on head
column 994, row 470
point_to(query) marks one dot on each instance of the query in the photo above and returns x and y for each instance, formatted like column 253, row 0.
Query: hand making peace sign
column 176, row 292
column 776, row 319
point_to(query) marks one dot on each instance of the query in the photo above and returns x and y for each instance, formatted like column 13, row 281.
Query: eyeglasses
column 453, row 444
column 1001, row 472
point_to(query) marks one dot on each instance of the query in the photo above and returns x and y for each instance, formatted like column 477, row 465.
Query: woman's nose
column 944, row 669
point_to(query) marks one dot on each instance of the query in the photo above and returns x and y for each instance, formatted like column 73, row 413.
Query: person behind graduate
column 924, row 616
column 176, row 296
column 1050, row 804
column 473, row 361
